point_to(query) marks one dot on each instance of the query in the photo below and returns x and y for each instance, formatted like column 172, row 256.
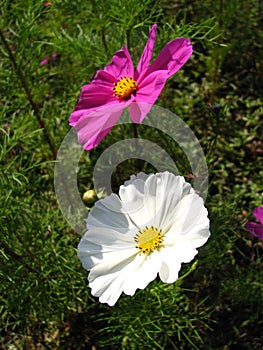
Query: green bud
column 89, row 196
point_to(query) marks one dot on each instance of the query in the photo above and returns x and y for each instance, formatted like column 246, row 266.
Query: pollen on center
column 124, row 88
column 149, row 239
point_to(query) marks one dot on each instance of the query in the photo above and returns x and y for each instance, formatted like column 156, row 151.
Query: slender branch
column 103, row 38
column 17, row 257
column 216, row 59
column 24, row 84
column 102, row 28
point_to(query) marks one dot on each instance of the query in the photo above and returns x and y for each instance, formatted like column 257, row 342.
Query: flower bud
column 89, row 196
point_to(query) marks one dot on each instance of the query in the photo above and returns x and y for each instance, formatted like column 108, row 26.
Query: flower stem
column 127, row 38
column 192, row 268
column 146, row 298
column 135, row 132
column 24, row 84
column 139, row 162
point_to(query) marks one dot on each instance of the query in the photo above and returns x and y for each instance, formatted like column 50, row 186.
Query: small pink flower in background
column 192, row 176
column 46, row 59
column 54, row 56
column 47, row 3
column 255, row 228
column 118, row 86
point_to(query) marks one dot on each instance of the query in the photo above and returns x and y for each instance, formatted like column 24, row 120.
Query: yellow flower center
column 124, row 88
column 149, row 239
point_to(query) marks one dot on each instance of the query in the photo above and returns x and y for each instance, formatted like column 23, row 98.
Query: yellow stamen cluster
column 149, row 239
column 124, row 88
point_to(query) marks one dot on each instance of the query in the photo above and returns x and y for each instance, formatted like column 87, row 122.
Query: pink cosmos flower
column 255, row 228
column 47, row 3
column 118, row 86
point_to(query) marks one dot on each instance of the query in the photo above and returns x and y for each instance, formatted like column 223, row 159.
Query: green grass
column 45, row 299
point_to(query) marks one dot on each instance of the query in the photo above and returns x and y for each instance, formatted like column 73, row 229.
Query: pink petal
column 94, row 124
column 121, row 65
column 173, row 56
column 93, row 127
column 151, row 86
column 138, row 111
column 95, row 140
column 94, row 96
column 258, row 213
column 103, row 77
column 148, row 91
column 147, row 53
column 255, row 229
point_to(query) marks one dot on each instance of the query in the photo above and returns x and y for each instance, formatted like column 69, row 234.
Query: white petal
column 164, row 191
column 199, row 232
column 149, row 200
column 190, row 217
column 141, row 175
column 97, row 242
column 111, row 238
column 169, row 272
column 89, row 253
column 143, row 273
column 120, row 272
column 108, row 213
column 107, row 287
column 108, row 278
column 182, row 251
column 134, row 201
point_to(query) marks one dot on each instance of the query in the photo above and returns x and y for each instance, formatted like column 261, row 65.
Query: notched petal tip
column 147, row 54
column 121, row 64
column 173, row 56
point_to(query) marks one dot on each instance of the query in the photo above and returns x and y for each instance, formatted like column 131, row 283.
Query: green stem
column 139, row 162
column 216, row 58
column 127, row 34
column 24, row 84
column 103, row 38
column 17, row 257
column 135, row 132
column 146, row 298
column 192, row 268
column 134, row 126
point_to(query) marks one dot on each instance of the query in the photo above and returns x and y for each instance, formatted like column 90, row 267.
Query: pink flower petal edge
column 255, row 228
column 258, row 213
column 147, row 53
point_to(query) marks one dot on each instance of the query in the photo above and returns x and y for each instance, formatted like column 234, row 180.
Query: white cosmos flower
column 152, row 227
